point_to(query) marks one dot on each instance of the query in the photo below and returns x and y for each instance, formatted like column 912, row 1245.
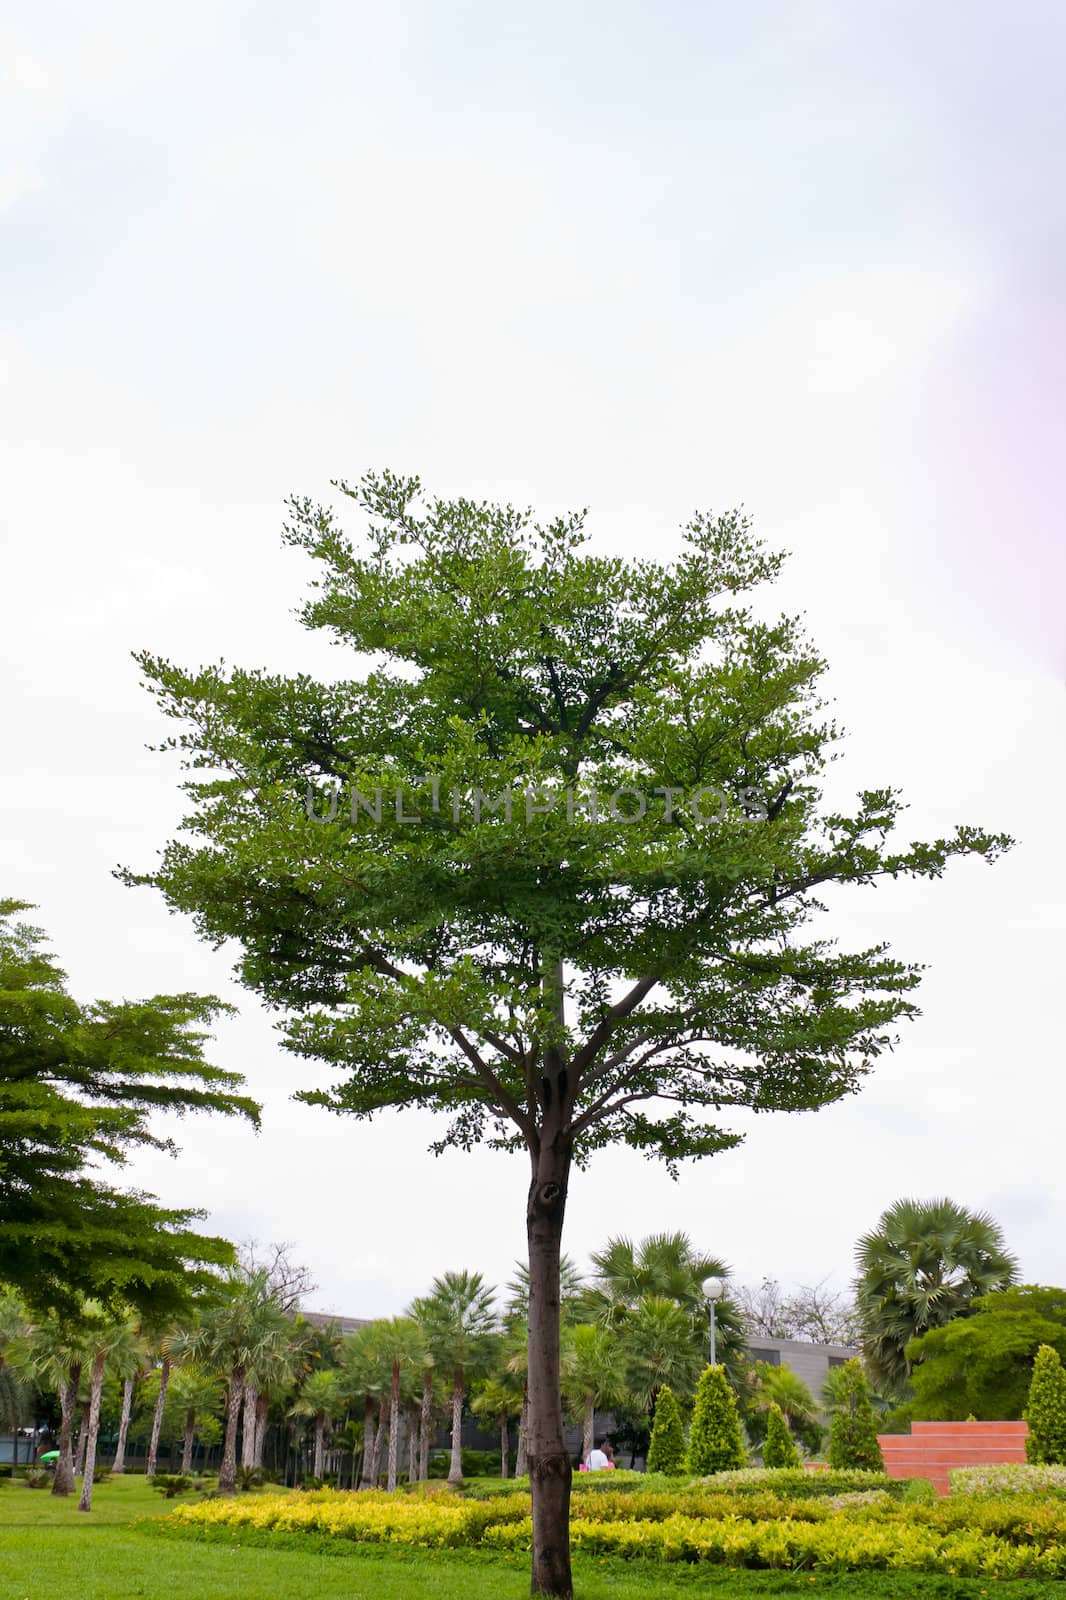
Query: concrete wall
column 811, row 1362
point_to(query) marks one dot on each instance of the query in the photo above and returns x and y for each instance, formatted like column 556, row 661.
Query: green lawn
column 51, row 1551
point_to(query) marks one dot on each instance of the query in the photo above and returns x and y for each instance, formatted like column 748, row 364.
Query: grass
column 51, row 1551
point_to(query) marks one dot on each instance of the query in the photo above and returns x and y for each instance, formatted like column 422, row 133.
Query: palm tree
column 129, row 1362
column 924, row 1263
column 659, row 1348
column 58, row 1353
column 199, row 1395
column 499, row 1399
column 322, row 1400
column 243, row 1322
column 109, row 1339
column 594, row 1376
column 573, row 1291
column 400, row 1344
column 15, row 1329
column 458, row 1319
column 668, row 1267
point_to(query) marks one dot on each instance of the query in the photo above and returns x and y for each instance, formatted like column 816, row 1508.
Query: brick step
column 1021, row 1428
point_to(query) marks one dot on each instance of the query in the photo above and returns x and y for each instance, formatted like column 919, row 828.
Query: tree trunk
column 227, row 1472
column 423, row 1424
column 83, row 1439
column 412, row 1415
column 63, row 1482
column 251, row 1396
column 455, row 1466
column 379, row 1441
column 505, row 1446
column 92, row 1430
column 262, row 1412
column 549, row 1462
column 157, row 1420
column 188, row 1441
column 394, row 1425
column 521, row 1462
column 588, row 1432
column 367, row 1481
column 318, row 1466
column 119, row 1463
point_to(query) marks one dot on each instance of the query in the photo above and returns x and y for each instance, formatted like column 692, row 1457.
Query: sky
column 645, row 260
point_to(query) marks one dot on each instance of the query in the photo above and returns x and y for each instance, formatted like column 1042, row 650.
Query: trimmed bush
column 853, row 1433
column 666, row 1453
column 1046, row 1411
column 780, row 1447
column 715, row 1443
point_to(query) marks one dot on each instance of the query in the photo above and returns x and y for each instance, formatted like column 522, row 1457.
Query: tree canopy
column 79, row 1086
column 982, row 1364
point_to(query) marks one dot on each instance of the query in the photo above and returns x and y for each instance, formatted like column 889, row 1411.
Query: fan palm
column 458, row 1319
column 400, row 1346
column 199, row 1395
column 659, row 1346
column 666, row 1266
column 594, row 1377
column 322, row 1400
column 238, row 1326
column 923, row 1264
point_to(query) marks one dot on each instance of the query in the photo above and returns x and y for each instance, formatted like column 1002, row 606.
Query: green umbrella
column 49, row 1455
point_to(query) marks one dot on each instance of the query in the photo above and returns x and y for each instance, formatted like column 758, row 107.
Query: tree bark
column 188, row 1440
column 92, row 1429
column 251, row 1396
column 227, row 1472
column 119, row 1463
column 455, row 1466
column 505, row 1446
column 588, row 1432
column 63, row 1482
column 549, row 1462
column 412, row 1414
column 83, row 1439
column 318, row 1466
column 394, row 1425
column 423, row 1424
column 157, row 1420
column 366, row 1481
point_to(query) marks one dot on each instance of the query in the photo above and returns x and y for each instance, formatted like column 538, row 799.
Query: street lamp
column 713, row 1289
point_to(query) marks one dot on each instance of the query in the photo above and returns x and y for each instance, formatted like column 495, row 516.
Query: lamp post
column 713, row 1289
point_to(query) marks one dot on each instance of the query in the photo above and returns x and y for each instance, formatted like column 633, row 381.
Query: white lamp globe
column 713, row 1288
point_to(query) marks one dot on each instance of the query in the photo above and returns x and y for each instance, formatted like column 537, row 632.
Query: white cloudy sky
column 645, row 259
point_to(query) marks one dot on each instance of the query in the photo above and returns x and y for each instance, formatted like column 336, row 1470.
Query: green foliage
column 919, row 1492
column 780, row 1448
column 982, row 1364
column 80, row 1085
column 924, row 1264
column 853, row 1431
column 1046, row 1411
column 716, row 1443
column 170, row 1484
column 763, row 1386
column 666, row 1453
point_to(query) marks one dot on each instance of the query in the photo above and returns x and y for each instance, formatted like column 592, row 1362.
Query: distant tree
column 555, row 980
column 779, row 1450
column 666, row 1452
column 321, row 1400
column 853, row 1432
column 499, row 1399
column 1046, row 1411
column 197, row 1398
column 659, row 1346
column 80, row 1085
column 982, row 1364
column 666, row 1266
column 594, row 1377
column 924, row 1264
column 766, row 1386
column 238, row 1325
column 715, row 1441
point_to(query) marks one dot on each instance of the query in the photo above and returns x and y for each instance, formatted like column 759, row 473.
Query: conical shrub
column 666, row 1453
column 780, row 1447
column 853, row 1432
column 715, row 1443
column 1046, row 1411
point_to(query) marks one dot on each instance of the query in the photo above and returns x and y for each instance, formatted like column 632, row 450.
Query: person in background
column 608, row 1450
column 597, row 1460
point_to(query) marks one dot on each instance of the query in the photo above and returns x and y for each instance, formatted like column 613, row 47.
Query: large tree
column 81, row 1085
column 598, row 929
column 981, row 1365
column 923, row 1265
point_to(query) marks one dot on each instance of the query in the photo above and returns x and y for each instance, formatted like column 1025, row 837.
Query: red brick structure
column 932, row 1449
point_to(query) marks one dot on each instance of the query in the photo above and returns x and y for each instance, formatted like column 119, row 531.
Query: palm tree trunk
column 227, row 1472
column 549, row 1461
column 262, row 1412
column 588, row 1432
column 521, row 1463
column 505, row 1445
column 119, row 1463
column 157, row 1420
column 63, row 1482
column 394, row 1424
column 455, row 1466
column 251, row 1395
column 423, row 1424
column 367, row 1481
column 412, row 1414
column 92, row 1429
column 188, row 1441
column 379, row 1441
column 318, row 1468
column 83, row 1438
